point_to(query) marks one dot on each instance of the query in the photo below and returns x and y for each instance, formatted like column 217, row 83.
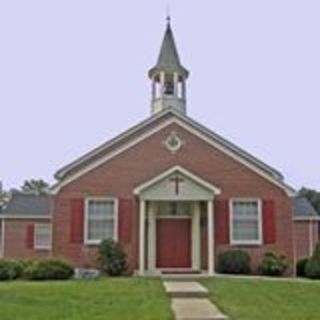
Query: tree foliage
column 4, row 197
column 111, row 258
column 37, row 187
column 312, row 268
column 313, row 196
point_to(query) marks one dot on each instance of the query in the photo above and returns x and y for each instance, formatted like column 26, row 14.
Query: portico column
column 151, row 236
column 142, row 214
column 210, row 238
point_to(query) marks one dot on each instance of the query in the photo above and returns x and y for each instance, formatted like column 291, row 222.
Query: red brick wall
column 15, row 240
column 302, row 237
column 119, row 176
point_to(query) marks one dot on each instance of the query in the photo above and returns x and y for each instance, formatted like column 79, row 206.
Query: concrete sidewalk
column 190, row 301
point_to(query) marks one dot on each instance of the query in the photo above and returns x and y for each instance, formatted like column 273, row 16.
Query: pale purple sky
column 73, row 75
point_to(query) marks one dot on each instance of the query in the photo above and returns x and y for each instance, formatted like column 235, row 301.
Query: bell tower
column 168, row 77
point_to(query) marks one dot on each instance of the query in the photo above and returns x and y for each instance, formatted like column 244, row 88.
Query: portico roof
column 161, row 187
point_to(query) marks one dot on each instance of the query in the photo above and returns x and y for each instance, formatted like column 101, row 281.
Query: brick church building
column 174, row 193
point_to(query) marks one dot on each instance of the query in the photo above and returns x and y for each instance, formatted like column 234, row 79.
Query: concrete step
column 186, row 289
column 195, row 309
column 184, row 277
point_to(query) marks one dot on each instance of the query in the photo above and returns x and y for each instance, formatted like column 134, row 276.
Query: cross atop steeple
column 168, row 76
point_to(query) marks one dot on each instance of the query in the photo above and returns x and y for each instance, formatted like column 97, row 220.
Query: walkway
column 190, row 301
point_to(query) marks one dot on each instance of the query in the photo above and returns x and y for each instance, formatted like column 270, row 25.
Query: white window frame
column 246, row 242
column 39, row 246
column 115, row 222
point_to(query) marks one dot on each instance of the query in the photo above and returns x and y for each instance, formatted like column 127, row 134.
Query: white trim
column 260, row 231
column 188, row 127
column 115, row 221
column 61, row 172
column 196, row 236
column 172, row 170
column 311, row 230
column 42, row 247
column 152, row 236
column 2, row 251
column 109, row 156
column 310, row 218
column 210, row 213
column 27, row 217
column 168, row 216
column 219, row 146
column 142, row 225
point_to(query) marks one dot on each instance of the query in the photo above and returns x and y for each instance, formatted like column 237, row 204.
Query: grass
column 111, row 299
column 248, row 299
column 145, row 299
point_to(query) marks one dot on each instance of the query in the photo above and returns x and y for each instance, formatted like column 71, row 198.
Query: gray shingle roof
column 168, row 59
column 28, row 204
column 303, row 208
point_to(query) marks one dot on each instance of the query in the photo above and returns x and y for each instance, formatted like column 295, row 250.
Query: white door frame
column 195, row 236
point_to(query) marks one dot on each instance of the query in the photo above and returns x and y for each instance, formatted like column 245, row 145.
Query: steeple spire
column 168, row 76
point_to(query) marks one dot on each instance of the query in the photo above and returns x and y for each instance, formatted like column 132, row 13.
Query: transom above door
column 182, row 209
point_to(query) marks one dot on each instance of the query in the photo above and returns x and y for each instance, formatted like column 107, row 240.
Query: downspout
column 2, row 239
column 51, row 225
column 310, row 237
column 294, row 247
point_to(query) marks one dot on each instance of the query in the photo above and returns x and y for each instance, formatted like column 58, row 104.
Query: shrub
column 273, row 264
column 301, row 267
column 234, row 262
column 313, row 265
column 48, row 270
column 111, row 258
column 10, row 269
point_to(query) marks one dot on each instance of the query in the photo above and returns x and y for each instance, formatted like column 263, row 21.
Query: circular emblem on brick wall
column 173, row 142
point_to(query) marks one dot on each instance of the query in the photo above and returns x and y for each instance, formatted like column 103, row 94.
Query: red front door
column 174, row 243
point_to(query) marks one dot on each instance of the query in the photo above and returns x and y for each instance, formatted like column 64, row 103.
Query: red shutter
column 126, row 208
column 268, row 220
column 222, row 222
column 30, row 236
column 77, row 220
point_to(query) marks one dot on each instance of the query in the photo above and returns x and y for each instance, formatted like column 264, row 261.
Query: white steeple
column 168, row 77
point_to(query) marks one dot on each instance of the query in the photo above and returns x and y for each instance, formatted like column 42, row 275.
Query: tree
column 313, row 196
column 4, row 197
column 313, row 264
column 37, row 187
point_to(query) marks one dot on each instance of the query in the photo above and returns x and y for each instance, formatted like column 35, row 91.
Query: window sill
column 42, row 248
column 246, row 244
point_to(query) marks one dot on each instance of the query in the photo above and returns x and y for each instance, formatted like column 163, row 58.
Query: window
column 246, row 223
column 100, row 220
column 42, row 236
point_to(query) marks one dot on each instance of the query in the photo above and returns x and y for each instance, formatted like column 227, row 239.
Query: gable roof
column 173, row 170
column 154, row 124
column 303, row 209
column 23, row 204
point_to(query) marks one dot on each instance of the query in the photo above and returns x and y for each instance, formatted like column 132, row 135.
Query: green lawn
column 145, row 299
column 107, row 299
column 265, row 299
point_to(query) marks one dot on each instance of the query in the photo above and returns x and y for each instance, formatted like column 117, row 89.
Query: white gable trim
column 189, row 128
column 307, row 218
column 172, row 170
column 23, row 217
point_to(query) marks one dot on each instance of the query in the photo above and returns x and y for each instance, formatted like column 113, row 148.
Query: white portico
column 173, row 208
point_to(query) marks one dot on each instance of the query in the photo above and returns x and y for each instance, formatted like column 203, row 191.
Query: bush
column 301, row 267
column 111, row 258
column 313, row 265
column 273, row 264
column 234, row 262
column 48, row 270
column 10, row 269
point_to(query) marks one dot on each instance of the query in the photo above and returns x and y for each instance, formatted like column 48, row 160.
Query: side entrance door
column 173, row 243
